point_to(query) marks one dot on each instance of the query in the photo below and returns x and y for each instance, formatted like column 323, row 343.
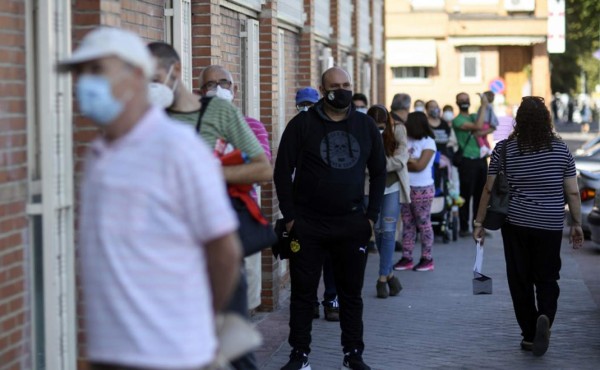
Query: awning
column 411, row 53
column 496, row 40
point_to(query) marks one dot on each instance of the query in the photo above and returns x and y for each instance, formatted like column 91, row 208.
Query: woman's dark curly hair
column 533, row 129
column 381, row 116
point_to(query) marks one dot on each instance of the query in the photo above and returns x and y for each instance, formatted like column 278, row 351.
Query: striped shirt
column 222, row 120
column 150, row 201
column 536, row 184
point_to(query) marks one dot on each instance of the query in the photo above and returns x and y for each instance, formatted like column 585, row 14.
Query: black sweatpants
column 532, row 262
column 345, row 238
column 473, row 175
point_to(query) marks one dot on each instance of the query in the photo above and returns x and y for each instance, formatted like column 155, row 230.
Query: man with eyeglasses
column 217, row 86
column 329, row 147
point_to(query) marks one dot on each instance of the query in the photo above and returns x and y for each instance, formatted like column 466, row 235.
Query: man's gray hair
column 401, row 102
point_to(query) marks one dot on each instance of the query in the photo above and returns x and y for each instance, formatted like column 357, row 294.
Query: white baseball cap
column 109, row 41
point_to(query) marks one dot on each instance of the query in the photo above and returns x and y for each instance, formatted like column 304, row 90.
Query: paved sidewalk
column 436, row 321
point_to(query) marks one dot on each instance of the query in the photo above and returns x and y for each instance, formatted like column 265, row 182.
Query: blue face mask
column 96, row 101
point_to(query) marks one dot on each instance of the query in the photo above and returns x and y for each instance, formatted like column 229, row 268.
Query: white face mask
column 220, row 92
column 419, row 108
column 160, row 94
column 362, row 110
column 447, row 116
column 302, row 109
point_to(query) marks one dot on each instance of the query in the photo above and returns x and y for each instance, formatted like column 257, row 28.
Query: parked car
column 593, row 220
column 587, row 162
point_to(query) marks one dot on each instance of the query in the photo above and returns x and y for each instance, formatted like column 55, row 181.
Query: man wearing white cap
column 158, row 248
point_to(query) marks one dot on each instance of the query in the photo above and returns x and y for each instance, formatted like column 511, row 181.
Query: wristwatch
column 477, row 224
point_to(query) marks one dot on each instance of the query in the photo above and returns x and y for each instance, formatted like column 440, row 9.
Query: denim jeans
column 385, row 231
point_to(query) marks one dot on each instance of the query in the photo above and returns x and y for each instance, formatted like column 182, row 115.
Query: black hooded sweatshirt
column 329, row 159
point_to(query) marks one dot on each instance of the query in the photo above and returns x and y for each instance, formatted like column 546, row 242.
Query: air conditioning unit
column 519, row 5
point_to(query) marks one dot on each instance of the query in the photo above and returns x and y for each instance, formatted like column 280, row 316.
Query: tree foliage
column 582, row 39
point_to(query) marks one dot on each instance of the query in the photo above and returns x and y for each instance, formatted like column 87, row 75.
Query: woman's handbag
column 458, row 156
column 499, row 197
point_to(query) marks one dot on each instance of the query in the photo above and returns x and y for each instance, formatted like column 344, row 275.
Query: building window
column 410, row 72
column 470, row 66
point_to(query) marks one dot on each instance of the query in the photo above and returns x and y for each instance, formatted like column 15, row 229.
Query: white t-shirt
column 415, row 149
column 150, row 202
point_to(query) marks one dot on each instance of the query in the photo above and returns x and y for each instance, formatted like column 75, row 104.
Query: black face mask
column 464, row 106
column 339, row 99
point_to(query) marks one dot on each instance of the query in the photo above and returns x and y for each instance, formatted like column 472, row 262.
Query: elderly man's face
column 122, row 76
column 214, row 77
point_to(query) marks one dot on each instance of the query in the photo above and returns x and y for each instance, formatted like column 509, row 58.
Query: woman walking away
column 396, row 191
column 541, row 172
column 417, row 214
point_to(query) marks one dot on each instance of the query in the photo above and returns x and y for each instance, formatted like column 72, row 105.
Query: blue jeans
column 385, row 231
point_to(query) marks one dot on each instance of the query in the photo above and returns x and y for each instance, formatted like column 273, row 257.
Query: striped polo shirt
column 536, row 182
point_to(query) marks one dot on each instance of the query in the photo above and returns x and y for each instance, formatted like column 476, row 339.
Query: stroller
column 444, row 211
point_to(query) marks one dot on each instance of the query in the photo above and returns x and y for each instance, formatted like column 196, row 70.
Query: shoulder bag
column 497, row 208
column 255, row 232
column 458, row 156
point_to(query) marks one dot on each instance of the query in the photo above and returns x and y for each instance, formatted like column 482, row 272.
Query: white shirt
column 415, row 149
column 150, row 201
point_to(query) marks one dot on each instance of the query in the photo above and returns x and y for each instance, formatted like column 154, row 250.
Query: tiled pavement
column 436, row 321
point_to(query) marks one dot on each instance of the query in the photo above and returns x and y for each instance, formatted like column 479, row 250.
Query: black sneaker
column 353, row 361
column 542, row 336
column 298, row 360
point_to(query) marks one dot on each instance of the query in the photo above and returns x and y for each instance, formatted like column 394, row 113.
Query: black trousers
column 532, row 268
column 345, row 239
column 473, row 175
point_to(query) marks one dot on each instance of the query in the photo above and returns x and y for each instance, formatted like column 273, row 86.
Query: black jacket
column 330, row 159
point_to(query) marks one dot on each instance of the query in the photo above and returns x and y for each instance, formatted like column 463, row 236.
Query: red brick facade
column 14, row 266
column 219, row 29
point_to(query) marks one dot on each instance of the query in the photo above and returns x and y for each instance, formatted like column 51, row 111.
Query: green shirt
column 223, row 120
column 469, row 146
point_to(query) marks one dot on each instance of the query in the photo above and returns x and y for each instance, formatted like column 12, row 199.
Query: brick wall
column 206, row 40
column 146, row 18
column 14, row 313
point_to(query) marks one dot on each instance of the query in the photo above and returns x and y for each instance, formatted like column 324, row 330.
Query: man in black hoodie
column 329, row 147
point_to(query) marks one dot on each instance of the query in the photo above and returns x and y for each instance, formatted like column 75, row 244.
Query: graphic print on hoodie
column 333, row 157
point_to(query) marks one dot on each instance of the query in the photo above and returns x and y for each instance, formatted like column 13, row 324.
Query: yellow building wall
column 457, row 19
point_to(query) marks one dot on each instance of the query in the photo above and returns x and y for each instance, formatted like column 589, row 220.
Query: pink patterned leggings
column 417, row 215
